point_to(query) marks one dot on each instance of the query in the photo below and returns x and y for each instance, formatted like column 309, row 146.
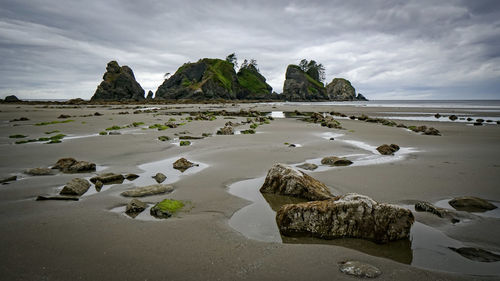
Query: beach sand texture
column 92, row 239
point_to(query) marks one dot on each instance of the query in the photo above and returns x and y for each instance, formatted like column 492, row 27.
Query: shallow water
column 427, row 247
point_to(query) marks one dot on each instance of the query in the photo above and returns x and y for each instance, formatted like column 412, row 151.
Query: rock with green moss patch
column 163, row 138
column 166, row 208
column 17, row 136
column 184, row 143
column 300, row 86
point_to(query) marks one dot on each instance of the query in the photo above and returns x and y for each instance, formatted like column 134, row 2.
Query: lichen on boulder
column 351, row 215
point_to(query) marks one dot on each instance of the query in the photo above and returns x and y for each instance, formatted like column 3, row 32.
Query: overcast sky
column 387, row 49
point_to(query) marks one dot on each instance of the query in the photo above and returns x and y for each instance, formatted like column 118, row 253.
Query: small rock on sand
column 108, row 178
column 70, row 165
column 386, row 149
column 76, row 187
column 159, row 177
column 477, row 254
column 7, row 179
column 359, row 269
column 135, row 207
column 39, row 171
column 335, row 161
column 148, row 190
column 308, row 166
column 228, row 130
column 471, row 204
column 131, row 177
column 183, row 164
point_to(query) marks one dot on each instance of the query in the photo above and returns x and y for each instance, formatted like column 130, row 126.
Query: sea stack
column 118, row 84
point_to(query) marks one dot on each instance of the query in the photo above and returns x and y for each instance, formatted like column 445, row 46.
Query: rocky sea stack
column 215, row 79
column 304, row 84
column 118, row 84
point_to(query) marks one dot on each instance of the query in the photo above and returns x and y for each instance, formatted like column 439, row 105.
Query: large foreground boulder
column 286, row 180
column 386, row 149
column 118, row 84
column 351, row 215
column 75, row 187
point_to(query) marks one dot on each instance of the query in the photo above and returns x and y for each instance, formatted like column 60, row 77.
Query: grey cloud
column 388, row 49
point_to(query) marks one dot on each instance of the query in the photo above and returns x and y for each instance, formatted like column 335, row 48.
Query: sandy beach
column 90, row 240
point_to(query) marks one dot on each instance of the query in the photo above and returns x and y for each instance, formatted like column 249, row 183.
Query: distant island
column 216, row 79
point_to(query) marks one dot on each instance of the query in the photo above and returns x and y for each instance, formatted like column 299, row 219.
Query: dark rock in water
column 386, row 149
column 340, row 89
column 11, row 98
column 471, row 204
column 131, row 177
column 428, row 207
column 453, row 117
column 308, row 166
column 70, row 165
column 332, row 138
column 108, row 178
column 64, row 116
column 150, row 95
column 469, row 119
column 148, row 190
column 351, row 215
column 20, row 119
column 159, row 177
column 478, row 124
column 190, row 138
column 119, row 84
column 135, row 207
column 39, row 171
column 285, row 180
column 292, row 145
column 359, row 269
column 300, row 86
column 57, row 197
column 7, row 179
column 97, row 114
column 479, row 120
column 183, row 164
column 437, row 115
column 476, row 254
column 226, row 131
column 76, row 187
column 352, row 117
column 114, row 133
column 336, row 161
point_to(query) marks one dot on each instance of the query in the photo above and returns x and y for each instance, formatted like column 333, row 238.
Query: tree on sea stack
column 231, row 58
column 118, row 84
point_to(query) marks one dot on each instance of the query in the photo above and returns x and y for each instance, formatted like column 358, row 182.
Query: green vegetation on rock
column 170, row 205
column 160, row 127
column 254, row 126
column 53, row 122
column 52, row 139
column 164, row 138
column 249, row 131
column 103, row 133
column 17, row 136
column 113, row 128
column 137, row 124
column 185, row 143
column 250, row 81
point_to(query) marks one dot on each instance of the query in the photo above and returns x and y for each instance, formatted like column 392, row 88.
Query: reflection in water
column 427, row 247
column 257, row 221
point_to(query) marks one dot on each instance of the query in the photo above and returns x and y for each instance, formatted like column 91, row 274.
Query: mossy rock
column 166, row 208
column 163, row 138
column 17, row 136
column 185, row 143
column 103, row 133
column 115, row 127
column 246, row 132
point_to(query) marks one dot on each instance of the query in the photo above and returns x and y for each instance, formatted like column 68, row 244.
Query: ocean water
column 468, row 104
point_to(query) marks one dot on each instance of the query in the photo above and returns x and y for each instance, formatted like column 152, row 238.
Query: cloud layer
column 388, row 49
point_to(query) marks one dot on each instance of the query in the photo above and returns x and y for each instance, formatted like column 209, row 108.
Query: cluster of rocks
column 71, row 165
column 324, row 120
column 328, row 216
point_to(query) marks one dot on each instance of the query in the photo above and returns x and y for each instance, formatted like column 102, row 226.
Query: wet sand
column 57, row 240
